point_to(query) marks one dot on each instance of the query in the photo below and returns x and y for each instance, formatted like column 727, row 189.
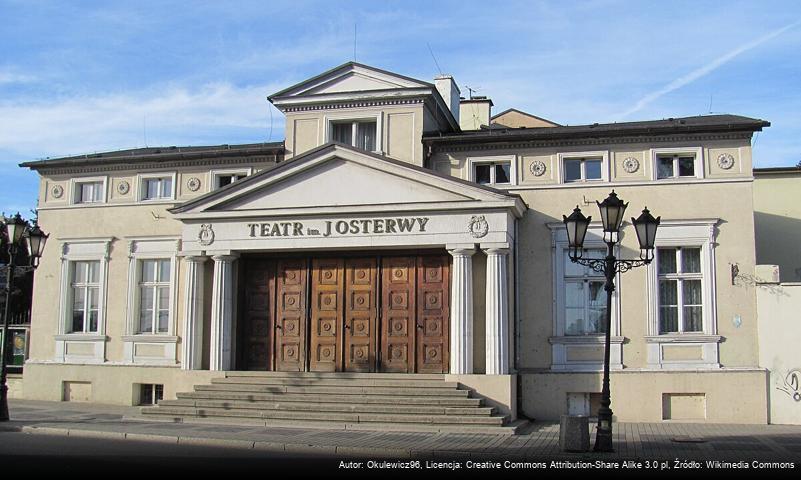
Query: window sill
column 684, row 338
column 81, row 337
column 584, row 340
column 150, row 338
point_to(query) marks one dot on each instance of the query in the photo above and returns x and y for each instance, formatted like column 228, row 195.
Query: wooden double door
column 353, row 314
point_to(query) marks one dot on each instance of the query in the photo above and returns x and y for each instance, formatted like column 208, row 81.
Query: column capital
column 462, row 251
column 194, row 258
column 496, row 250
column 228, row 257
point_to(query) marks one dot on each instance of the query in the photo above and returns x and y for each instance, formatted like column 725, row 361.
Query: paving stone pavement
column 538, row 440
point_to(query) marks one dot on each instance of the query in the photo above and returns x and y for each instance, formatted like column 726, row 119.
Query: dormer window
column 358, row 133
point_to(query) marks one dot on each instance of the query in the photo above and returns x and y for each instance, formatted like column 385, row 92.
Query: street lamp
column 612, row 210
column 35, row 239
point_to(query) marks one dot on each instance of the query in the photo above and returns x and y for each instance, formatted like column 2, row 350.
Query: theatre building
column 399, row 261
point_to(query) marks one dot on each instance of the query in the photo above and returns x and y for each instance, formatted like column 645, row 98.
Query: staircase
column 344, row 401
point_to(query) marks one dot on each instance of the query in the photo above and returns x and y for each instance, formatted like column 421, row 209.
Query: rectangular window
column 680, row 290
column 150, row 393
column 675, row 166
column 224, row 179
column 585, row 297
column 85, row 289
column 157, row 188
column 154, row 296
column 359, row 134
column 494, row 173
column 583, row 169
column 88, row 192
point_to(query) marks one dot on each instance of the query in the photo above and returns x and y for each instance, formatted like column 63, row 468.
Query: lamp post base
column 603, row 433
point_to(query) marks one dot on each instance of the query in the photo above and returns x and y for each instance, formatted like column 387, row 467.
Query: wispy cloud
column 10, row 77
column 171, row 115
column 705, row 70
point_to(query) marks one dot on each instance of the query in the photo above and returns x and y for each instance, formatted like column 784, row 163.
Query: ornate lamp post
column 35, row 239
column 612, row 210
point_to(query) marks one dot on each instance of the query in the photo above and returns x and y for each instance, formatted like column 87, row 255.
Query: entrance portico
column 337, row 202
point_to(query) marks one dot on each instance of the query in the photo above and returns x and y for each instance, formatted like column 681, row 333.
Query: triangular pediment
column 338, row 178
column 349, row 78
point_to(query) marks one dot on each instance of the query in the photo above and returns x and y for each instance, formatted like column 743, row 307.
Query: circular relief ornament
column 206, row 235
column 725, row 161
column 631, row 165
column 193, row 184
column 537, row 168
column 123, row 187
column 478, row 226
column 57, row 191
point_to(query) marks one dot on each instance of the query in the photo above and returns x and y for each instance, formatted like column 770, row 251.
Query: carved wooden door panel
column 433, row 312
column 258, row 311
column 398, row 314
column 290, row 316
column 360, row 314
column 326, row 314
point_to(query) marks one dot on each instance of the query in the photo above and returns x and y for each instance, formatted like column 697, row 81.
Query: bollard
column 574, row 433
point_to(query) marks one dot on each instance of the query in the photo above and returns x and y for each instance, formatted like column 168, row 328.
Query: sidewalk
column 644, row 441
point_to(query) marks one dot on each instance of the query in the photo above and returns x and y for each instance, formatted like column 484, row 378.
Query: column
column 222, row 313
column 192, row 354
column 462, row 311
column 497, row 316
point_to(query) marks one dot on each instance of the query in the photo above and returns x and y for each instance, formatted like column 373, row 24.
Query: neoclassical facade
column 403, row 230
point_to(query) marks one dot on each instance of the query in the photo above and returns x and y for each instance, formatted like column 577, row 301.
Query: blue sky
column 85, row 76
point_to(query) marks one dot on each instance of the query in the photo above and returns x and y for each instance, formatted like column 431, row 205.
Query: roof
column 521, row 112
column 156, row 154
column 697, row 124
column 789, row 170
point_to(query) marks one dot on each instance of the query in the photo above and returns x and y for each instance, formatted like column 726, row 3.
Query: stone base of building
column 715, row 396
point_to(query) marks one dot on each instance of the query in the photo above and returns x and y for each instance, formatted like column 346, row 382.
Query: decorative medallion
column 123, row 187
column 206, row 235
column 478, row 226
column 537, row 168
column 193, row 184
column 57, row 191
column 631, row 165
column 725, row 161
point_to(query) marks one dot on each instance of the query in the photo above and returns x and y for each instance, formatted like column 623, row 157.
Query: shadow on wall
column 778, row 242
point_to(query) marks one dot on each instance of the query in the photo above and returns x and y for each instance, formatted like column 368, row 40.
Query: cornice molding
column 354, row 104
column 493, row 144
column 139, row 167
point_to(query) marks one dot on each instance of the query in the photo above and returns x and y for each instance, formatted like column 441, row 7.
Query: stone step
column 338, row 375
column 429, row 400
column 398, row 408
column 335, row 382
column 355, row 390
column 324, row 416
column 508, row 429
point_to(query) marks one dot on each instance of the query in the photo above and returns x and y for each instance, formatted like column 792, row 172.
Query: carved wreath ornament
column 193, row 184
column 631, row 165
column 478, row 226
column 123, row 187
column 57, row 191
column 206, row 235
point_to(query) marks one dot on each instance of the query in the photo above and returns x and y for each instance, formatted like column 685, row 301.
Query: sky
column 86, row 76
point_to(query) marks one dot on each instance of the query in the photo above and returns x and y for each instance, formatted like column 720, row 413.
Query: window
column 361, row 133
column 89, row 192
column 680, row 290
column 150, row 393
column 85, row 289
column 583, row 169
column 493, row 173
column 154, row 296
column 227, row 179
column 675, row 166
column 585, row 297
column 157, row 188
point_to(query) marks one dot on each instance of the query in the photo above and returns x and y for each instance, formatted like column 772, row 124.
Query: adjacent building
column 399, row 228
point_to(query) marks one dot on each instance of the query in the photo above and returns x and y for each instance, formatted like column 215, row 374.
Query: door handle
column 279, row 327
column 419, row 326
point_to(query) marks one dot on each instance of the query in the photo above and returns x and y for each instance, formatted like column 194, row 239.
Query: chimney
column 475, row 112
column 450, row 93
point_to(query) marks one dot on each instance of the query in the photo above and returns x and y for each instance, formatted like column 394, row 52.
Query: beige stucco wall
column 777, row 222
column 779, row 338
column 516, row 119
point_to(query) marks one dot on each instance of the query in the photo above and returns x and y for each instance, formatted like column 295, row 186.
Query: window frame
column 679, row 277
column 156, row 286
column 698, row 233
column 216, row 174
column 76, row 183
column 331, row 119
column 473, row 162
column 603, row 155
column 142, row 186
column 86, row 285
column 698, row 166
